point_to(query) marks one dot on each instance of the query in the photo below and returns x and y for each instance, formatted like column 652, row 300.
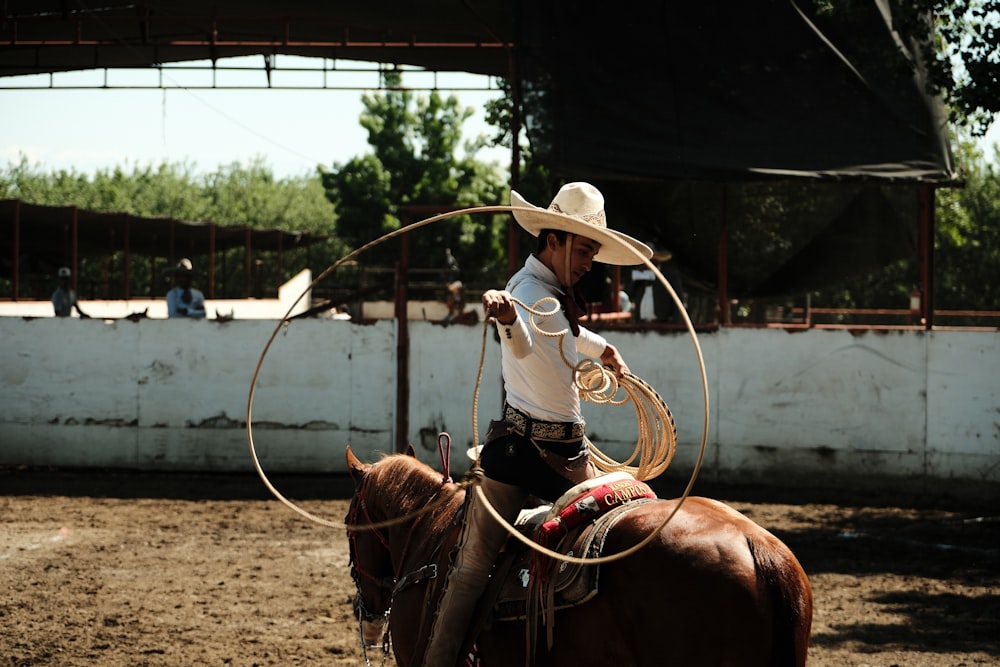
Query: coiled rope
column 586, row 376
column 657, row 439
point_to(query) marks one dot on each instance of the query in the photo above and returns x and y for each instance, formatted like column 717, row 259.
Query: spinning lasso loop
column 596, row 385
column 284, row 322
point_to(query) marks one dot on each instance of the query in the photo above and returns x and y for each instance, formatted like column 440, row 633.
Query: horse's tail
column 779, row 573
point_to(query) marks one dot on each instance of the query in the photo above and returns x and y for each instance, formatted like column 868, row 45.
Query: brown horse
column 714, row 588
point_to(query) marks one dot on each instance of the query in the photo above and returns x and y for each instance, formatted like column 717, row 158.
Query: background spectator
column 64, row 298
column 184, row 300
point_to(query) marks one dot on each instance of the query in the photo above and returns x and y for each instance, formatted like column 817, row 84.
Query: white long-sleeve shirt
column 176, row 304
column 536, row 379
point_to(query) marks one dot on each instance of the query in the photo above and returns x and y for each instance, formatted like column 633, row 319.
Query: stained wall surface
column 815, row 407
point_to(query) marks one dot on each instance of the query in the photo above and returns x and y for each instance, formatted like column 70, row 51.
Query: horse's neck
column 414, row 543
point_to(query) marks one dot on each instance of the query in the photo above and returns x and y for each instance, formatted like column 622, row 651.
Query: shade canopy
column 670, row 108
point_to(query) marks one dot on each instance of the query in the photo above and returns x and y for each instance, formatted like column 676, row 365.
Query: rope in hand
column 599, row 385
column 657, row 440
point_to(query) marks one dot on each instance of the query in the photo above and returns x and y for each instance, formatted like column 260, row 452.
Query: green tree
column 966, row 252
column 415, row 168
column 234, row 194
column 967, row 244
column 957, row 42
column 535, row 180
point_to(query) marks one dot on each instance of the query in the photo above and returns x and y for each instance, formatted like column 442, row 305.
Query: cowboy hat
column 578, row 208
column 64, row 272
column 183, row 266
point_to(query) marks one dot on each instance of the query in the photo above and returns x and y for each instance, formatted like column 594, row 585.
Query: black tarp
column 783, row 237
column 674, row 109
column 793, row 127
column 720, row 90
column 637, row 89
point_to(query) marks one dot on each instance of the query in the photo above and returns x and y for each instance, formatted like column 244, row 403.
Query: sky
column 58, row 125
column 68, row 127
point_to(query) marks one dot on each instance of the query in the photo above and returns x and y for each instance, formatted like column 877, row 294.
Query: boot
column 469, row 575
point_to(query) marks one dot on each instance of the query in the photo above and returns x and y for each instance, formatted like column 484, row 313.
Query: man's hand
column 613, row 360
column 499, row 305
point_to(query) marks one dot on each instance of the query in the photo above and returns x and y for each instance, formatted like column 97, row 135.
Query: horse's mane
column 406, row 482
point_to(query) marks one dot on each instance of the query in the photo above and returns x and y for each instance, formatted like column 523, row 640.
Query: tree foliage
column 957, row 45
column 414, row 168
column 233, row 194
column 967, row 244
column 962, row 56
column 966, row 252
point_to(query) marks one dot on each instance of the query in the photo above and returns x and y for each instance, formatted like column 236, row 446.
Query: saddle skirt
column 577, row 524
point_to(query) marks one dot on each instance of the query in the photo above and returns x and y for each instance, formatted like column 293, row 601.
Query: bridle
column 359, row 519
column 363, row 609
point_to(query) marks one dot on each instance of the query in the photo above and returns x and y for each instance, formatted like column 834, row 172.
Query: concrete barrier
column 917, row 409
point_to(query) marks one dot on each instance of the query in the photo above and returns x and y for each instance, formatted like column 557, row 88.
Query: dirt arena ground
column 132, row 570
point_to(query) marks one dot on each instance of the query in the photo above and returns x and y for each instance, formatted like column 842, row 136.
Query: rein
column 358, row 505
column 363, row 609
column 444, row 449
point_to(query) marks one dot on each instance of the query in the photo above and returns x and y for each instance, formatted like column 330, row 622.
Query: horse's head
column 388, row 496
column 371, row 559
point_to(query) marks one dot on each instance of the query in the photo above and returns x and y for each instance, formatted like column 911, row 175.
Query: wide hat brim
column 616, row 248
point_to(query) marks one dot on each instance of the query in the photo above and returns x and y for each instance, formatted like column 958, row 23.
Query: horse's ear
column 355, row 466
column 410, row 451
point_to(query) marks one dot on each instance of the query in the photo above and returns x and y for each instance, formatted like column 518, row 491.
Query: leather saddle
column 576, row 525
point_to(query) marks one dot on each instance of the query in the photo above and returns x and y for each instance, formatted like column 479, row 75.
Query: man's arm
column 499, row 305
column 500, row 308
column 593, row 344
column 197, row 308
column 613, row 360
column 172, row 304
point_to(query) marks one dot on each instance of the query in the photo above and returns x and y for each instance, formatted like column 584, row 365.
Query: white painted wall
column 817, row 407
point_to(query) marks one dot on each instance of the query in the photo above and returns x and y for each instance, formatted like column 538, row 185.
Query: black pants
column 514, row 459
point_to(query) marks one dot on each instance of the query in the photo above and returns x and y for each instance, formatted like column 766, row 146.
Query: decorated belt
column 524, row 425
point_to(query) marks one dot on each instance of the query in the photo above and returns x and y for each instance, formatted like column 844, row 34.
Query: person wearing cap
column 538, row 447
column 653, row 301
column 64, row 298
column 184, row 300
column 663, row 304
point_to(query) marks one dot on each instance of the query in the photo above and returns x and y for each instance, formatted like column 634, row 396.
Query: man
column 653, row 299
column 539, row 446
column 184, row 300
column 663, row 304
column 64, row 298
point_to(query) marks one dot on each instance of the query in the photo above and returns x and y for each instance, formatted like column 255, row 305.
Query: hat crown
column 185, row 265
column 578, row 208
column 582, row 201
